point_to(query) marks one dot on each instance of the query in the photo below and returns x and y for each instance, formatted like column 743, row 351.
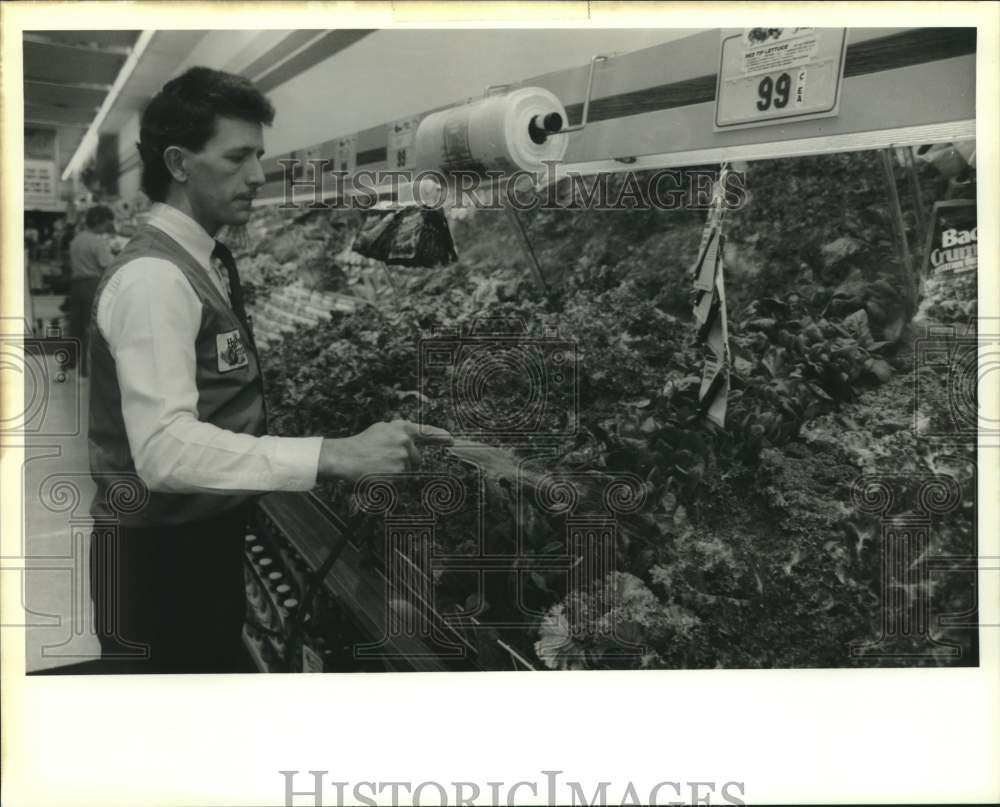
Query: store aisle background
column 58, row 490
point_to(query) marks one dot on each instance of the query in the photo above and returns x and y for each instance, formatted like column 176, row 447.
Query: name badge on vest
column 231, row 351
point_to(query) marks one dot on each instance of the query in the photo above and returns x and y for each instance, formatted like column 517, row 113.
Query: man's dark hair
column 97, row 215
column 183, row 113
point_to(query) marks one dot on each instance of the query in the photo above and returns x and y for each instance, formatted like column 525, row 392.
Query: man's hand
column 383, row 448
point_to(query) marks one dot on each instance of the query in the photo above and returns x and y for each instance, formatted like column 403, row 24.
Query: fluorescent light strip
column 89, row 141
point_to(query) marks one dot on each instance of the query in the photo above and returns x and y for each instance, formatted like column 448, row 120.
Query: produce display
column 951, row 298
column 748, row 546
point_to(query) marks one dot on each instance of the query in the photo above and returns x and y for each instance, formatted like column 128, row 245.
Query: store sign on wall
column 41, row 186
column 778, row 75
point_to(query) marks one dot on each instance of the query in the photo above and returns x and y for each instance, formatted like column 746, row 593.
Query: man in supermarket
column 179, row 449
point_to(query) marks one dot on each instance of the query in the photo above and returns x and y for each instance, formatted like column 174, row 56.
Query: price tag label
column 303, row 174
column 345, row 159
column 779, row 75
column 400, row 153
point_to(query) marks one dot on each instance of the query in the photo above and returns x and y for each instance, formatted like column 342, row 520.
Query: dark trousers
column 171, row 599
column 81, row 301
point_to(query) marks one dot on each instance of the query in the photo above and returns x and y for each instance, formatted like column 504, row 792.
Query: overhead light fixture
column 89, row 141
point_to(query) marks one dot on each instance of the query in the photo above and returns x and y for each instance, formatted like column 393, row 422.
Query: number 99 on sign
column 775, row 91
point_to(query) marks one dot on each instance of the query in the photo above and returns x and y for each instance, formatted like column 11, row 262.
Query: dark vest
column 230, row 396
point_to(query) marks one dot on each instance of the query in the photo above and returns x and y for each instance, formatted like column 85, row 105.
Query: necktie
column 222, row 253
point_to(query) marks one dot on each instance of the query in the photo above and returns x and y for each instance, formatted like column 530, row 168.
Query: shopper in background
column 89, row 257
column 65, row 240
column 31, row 241
column 177, row 400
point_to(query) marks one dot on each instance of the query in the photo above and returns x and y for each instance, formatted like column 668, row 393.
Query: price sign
column 779, row 75
column 400, row 152
column 306, row 174
column 345, row 159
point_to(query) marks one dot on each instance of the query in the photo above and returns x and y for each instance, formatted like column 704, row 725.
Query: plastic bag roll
column 494, row 134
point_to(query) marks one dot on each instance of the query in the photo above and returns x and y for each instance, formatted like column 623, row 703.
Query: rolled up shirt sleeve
column 150, row 316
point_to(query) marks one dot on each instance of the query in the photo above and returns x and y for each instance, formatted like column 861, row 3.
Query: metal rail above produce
column 695, row 100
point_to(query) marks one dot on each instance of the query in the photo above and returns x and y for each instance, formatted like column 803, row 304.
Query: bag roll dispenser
column 497, row 134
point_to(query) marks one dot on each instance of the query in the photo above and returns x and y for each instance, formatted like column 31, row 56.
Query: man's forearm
column 339, row 459
column 196, row 457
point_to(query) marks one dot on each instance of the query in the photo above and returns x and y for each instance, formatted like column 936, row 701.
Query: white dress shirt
column 150, row 315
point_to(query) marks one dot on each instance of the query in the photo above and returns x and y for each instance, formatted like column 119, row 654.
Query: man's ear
column 175, row 158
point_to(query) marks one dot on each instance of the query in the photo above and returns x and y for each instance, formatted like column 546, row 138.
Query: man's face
column 226, row 174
